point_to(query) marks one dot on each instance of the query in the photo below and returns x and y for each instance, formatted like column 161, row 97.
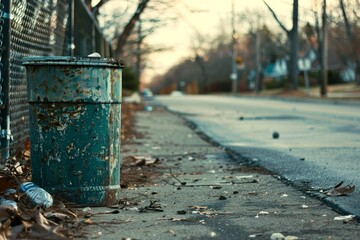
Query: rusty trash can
column 75, row 127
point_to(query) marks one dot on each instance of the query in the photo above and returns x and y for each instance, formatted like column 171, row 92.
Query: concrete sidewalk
column 192, row 189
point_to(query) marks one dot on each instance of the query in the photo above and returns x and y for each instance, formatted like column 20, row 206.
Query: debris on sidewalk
column 36, row 194
column 275, row 135
column 154, row 206
column 181, row 183
column 55, row 223
column 144, row 161
column 345, row 219
column 280, row 236
column 340, row 190
column 148, row 108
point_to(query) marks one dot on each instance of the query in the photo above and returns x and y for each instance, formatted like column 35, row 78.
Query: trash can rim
column 72, row 61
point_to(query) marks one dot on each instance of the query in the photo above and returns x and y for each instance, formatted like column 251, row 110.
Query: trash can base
column 95, row 196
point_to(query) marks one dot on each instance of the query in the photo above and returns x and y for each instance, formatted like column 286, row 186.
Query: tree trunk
column 129, row 27
column 203, row 86
column 138, row 53
column 294, row 43
column 88, row 4
column 324, row 58
column 294, row 46
column 95, row 9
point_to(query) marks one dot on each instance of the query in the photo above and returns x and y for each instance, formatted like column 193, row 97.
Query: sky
column 214, row 14
column 210, row 17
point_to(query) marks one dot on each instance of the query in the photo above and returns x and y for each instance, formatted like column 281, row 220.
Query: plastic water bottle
column 10, row 203
column 37, row 195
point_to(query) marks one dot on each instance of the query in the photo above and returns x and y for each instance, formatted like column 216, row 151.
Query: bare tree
column 204, row 85
column 122, row 38
column 352, row 39
column 294, row 43
column 129, row 27
column 95, row 9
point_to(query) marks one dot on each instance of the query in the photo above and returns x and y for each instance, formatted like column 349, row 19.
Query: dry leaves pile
column 20, row 219
column 58, row 223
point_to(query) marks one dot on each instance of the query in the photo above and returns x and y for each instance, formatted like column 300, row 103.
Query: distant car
column 147, row 94
column 176, row 93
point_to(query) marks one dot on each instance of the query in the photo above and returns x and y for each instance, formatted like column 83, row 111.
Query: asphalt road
column 318, row 144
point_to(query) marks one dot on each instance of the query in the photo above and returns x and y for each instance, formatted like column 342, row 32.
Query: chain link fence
column 37, row 28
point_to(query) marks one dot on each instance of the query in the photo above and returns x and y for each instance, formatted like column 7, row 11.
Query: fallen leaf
column 214, row 213
column 291, row 238
column 56, row 217
column 4, row 229
column 171, row 232
column 199, row 207
column 16, row 230
column 180, row 219
column 340, row 191
column 344, row 218
column 89, row 221
column 144, row 161
column 244, row 177
column 280, row 236
column 86, row 209
column 339, row 184
column 277, row 236
column 255, row 235
column 264, row 213
column 40, row 231
column 6, row 212
column 40, row 219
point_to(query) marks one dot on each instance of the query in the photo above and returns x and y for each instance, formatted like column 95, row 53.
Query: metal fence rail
column 42, row 28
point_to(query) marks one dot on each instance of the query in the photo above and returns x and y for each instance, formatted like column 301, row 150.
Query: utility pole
column 5, row 130
column 294, row 51
column 234, row 75
column 324, row 53
column 71, row 28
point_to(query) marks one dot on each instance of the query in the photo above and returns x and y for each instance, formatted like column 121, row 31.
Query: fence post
column 5, row 80
column 71, row 43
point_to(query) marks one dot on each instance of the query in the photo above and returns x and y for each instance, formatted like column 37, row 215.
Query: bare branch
column 130, row 26
column 95, row 9
column 276, row 18
column 346, row 21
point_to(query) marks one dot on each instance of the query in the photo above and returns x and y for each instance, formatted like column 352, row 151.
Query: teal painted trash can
column 75, row 127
